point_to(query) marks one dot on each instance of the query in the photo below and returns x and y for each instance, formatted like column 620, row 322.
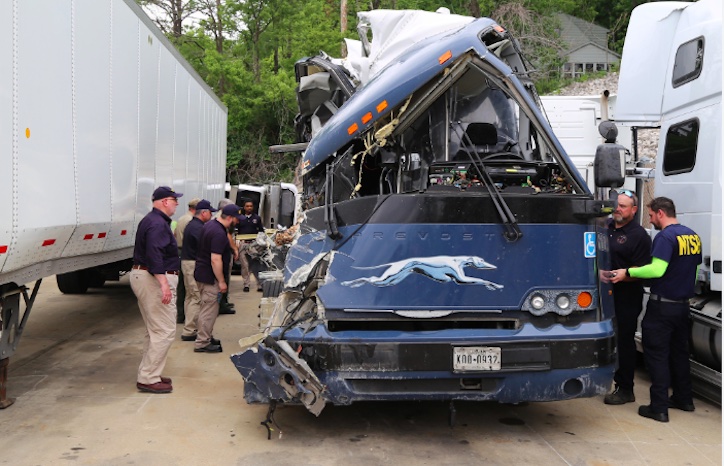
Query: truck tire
column 95, row 278
column 272, row 288
column 72, row 282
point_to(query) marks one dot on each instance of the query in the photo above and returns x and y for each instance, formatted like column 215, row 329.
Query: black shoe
column 226, row 310
column 619, row 396
column 259, row 290
column 246, row 289
column 210, row 348
column 646, row 411
column 214, row 341
column 188, row 337
column 688, row 407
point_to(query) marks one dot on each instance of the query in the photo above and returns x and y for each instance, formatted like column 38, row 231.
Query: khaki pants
column 160, row 320
column 244, row 265
column 249, row 266
column 192, row 302
column 208, row 313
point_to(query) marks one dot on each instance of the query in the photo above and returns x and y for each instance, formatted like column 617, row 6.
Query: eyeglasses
column 171, row 199
column 628, row 193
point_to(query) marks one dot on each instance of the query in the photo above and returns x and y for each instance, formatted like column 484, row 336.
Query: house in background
column 585, row 47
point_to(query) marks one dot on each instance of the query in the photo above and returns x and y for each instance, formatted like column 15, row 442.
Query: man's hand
column 165, row 288
column 223, row 287
column 618, row 275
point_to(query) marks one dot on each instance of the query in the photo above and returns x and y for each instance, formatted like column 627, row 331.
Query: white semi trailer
column 671, row 78
column 97, row 108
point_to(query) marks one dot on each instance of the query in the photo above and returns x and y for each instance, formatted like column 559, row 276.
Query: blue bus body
column 449, row 248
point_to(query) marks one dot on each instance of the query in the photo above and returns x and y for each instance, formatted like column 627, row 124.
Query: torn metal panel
column 275, row 372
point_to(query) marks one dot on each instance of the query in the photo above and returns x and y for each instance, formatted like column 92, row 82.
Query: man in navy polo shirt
column 676, row 256
column 630, row 246
column 192, row 235
column 249, row 223
column 154, row 278
column 213, row 258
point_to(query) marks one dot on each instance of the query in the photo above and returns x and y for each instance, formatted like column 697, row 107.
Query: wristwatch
column 627, row 274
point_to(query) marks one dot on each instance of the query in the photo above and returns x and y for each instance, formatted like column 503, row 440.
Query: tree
column 172, row 14
column 246, row 50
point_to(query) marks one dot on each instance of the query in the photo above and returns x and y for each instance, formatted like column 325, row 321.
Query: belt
column 143, row 267
column 660, row 298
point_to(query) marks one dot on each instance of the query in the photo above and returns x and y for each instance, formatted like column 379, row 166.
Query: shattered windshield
column 475, row 122
column 446, row 134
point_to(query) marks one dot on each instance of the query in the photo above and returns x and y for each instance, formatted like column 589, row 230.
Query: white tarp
column 393, row 32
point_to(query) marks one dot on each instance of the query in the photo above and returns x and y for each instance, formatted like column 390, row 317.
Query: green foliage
column 246, row 52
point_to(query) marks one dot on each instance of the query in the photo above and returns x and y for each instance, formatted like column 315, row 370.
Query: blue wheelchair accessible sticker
column 589, row 244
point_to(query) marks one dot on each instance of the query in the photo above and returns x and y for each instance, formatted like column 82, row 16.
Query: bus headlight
column 561, row 302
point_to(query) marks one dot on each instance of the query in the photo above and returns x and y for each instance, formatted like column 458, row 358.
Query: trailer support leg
column 12, row 325
column 4, row 400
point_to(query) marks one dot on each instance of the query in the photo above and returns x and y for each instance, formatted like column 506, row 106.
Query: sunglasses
column 625, row 192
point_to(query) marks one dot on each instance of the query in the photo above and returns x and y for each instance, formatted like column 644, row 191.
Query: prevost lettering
column 423, row 235
column 689, row 245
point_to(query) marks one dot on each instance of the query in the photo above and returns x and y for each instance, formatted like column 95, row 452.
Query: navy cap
column 203, row 204
column 162, row 192
column 234, row 210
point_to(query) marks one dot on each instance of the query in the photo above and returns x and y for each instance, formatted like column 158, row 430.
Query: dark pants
column 180, row 297
column 666, row 352
column 628, row 303
column 225, row 296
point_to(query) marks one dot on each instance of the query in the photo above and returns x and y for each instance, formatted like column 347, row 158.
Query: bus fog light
column 537, row 302
column 563, row 302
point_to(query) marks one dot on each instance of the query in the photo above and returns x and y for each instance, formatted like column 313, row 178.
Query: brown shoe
column 166, row 380
column 158, row 387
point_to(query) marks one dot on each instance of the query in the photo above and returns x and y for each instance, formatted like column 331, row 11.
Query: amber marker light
column 381, row 106
column 366, row 118
column 499, row 28
column 351, row 130
column 445, row 57
column 585, row 299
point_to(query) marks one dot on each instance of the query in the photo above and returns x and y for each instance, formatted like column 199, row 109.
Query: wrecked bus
column 448, row 249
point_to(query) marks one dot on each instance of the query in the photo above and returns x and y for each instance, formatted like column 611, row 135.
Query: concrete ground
column 73, row 378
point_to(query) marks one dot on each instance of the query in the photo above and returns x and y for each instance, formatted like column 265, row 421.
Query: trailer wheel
column 72, row 282
column 95, row 278
column 272, row 288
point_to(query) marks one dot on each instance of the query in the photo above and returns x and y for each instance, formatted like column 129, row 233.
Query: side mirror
column 609, row 164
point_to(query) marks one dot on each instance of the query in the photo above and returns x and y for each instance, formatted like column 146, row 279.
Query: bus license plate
column 476, row 358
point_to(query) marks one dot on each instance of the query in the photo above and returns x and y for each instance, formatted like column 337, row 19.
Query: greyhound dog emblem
column 442, row 269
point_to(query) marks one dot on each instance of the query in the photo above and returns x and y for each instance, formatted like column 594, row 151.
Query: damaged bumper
column 345, row 367
column 275, row 372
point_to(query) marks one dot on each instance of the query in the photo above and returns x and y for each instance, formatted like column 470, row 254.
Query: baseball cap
column 233, row 209
column 203, row 204
column 162, row 192
column 193, row 202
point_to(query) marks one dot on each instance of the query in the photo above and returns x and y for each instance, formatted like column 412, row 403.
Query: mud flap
column 276, row 372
